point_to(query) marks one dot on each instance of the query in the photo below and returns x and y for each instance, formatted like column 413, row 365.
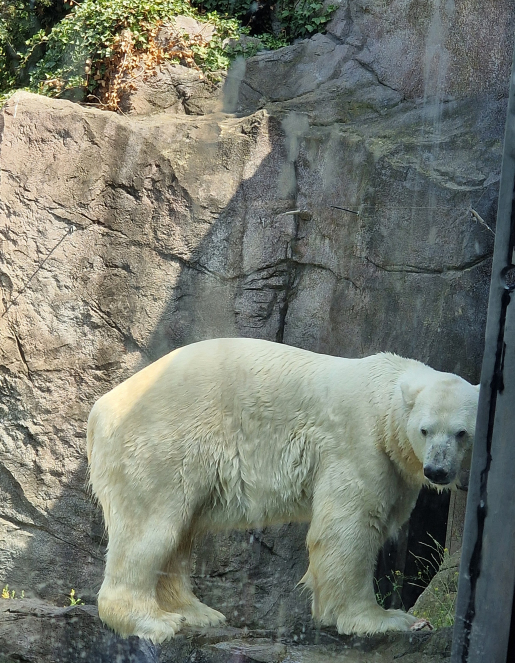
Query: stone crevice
column 414, row 269
column 127, row 338
column 31, row 514
column 371, row 70
column 291, row 278
column 21, row 351
column 339, row 277
column 265, row 545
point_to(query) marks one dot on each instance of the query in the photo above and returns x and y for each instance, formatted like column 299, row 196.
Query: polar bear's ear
column 409, row 391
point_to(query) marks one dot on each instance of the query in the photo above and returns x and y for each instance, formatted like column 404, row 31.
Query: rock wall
column 125, row 236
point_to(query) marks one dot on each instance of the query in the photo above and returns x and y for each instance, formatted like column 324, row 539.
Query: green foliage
column 7, row 593
column 19, row 21
column 234, row 8
column 396, row 582
column 215, row 55
column 440, row 591
column 273, row 42
column 49, row 47
column 16, row 24
column 304, row 18
column 90, row 30
column 297, row 18
column 248, row 46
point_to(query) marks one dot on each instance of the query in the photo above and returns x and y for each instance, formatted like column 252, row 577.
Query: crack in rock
column 413, row 269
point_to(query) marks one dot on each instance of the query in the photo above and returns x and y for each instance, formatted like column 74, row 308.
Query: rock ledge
column 36, row 632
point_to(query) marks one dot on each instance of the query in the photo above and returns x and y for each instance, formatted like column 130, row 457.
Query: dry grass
column 117, row 74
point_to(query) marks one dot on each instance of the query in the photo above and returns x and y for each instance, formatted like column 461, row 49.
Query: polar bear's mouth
column 438, row 475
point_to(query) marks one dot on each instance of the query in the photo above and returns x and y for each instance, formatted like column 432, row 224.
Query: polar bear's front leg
column 343, row 550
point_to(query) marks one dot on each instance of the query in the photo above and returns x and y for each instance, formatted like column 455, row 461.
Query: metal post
column 487, row 572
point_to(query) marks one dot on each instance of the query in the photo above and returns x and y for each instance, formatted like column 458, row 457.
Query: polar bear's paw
column 159, row 626
column 144, row 618
column 201, row 615
column 374, row 620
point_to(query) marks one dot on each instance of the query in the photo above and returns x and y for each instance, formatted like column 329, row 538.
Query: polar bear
column 236, row 433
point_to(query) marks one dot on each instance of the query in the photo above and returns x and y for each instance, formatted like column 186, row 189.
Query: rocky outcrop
column 122, row 238
column 171, row 87
column 35, row 632
column 430, row 48
column 438, row 601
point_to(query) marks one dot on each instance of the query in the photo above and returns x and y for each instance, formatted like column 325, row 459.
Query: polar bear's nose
column 437, row 475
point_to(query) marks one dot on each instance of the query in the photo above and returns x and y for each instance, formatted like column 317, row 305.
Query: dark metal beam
column 487, row 572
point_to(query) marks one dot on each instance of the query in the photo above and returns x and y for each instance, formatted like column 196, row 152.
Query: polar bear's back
column 216, row 389
column 246, row 413
column 219, row 373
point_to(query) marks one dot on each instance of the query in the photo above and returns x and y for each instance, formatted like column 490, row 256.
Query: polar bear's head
column 441, row 423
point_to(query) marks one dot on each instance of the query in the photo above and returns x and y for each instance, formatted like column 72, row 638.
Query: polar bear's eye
column 461, row 434
column 423, row 431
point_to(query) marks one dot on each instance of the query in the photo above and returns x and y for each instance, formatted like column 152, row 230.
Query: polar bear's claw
column 202, row 615
column 421, row 624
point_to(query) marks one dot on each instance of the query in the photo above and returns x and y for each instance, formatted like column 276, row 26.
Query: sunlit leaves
column 90, row 31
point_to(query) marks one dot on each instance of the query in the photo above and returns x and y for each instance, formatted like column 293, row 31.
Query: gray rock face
column 122, row 238
column 426, row 48
column 173, row 89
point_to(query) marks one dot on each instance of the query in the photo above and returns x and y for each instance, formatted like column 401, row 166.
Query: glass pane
column 321, row 178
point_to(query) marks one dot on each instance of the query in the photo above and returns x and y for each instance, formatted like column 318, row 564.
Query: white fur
column 243, row 433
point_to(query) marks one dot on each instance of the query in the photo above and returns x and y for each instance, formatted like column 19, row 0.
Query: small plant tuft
column 440, row 591
column 10, row 593
column 396, row 581
column 75, row 600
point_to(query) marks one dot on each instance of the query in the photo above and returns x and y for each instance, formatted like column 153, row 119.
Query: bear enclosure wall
column 124, row 237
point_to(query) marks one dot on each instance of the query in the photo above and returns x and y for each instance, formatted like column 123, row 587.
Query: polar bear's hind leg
column 174, row 593
column 127, row 601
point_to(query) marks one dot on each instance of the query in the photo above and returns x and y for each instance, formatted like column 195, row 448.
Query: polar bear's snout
column 442, row 461
column 438, row 475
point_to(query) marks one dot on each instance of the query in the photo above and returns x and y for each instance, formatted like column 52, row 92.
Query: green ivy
column 41, row 41
column 16, row 23
column 217, row 55
column 19, row 21
column 304, row 17
column 89, row 32
column 298, row 18
column 233, row 8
